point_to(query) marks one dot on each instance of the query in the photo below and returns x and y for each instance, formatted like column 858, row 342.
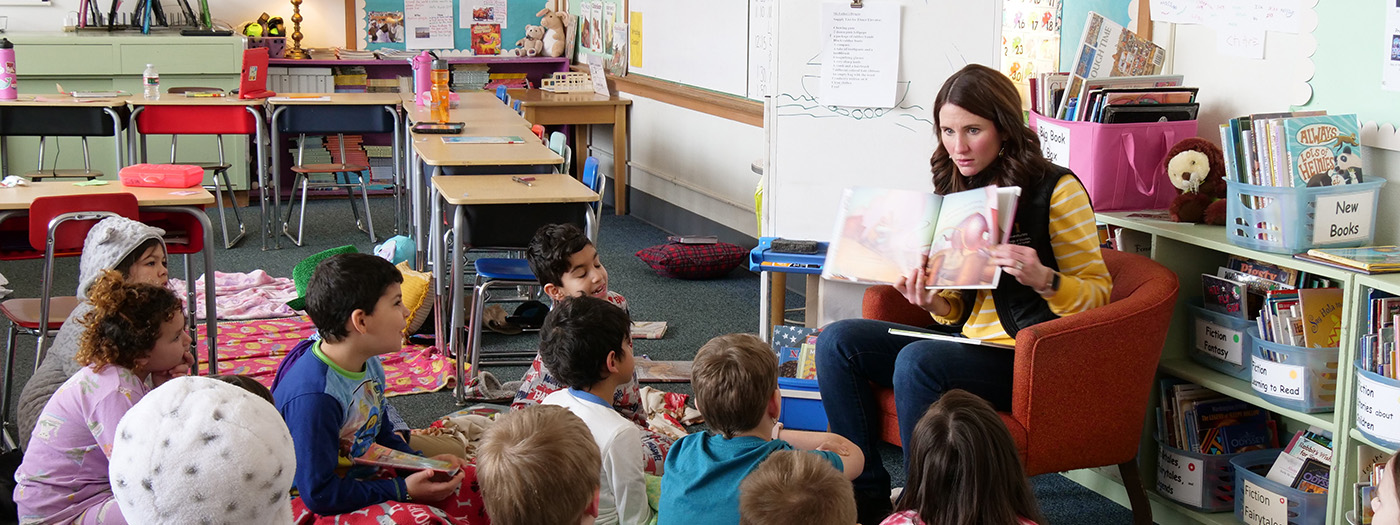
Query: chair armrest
column 885, row 303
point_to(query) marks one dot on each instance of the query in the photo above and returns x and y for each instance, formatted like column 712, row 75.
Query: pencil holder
column 1294, row 377
column 1260, row 500
column 1378, row 407
column 1203, row 482
column 1292, row 220
column 1219, row 341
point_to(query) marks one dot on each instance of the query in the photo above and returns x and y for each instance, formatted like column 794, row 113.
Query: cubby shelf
column 1241, row 390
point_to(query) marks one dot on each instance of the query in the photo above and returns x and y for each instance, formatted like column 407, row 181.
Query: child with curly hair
column 135, row 341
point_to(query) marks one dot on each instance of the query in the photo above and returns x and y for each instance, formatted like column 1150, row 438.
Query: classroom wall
column 323, row 24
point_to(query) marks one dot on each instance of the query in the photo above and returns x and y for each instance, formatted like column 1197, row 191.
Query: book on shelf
column 486, row 39
column 1321, row 150
column 382, row 456
column 1373, row 259
column 1322, row 316
column 1224, row 296
column 1107, row 49
column 882, row 234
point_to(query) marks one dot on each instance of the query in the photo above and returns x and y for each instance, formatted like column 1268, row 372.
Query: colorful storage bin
column 802, row 404
column 1260, row 500
column 1378, row 408
column 1204, row 482
column 162, row 175
column 1120, row 164
column 1294, row 377
column 1219, row 341
column 1292, row 220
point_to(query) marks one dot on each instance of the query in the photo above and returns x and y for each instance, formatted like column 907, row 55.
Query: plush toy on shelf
column 532, row 44
column 1197, row 168
column 558, row 27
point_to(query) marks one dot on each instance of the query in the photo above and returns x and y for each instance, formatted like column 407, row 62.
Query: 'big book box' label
column 1278, row 379
column 1342, row 218
column 1054, row 142
column 1219, row 342
column 1179, row 477
column 1376, row 407
column 1262, row 506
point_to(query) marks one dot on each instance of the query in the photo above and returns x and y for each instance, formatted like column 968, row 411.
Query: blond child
column 795, row 488
column 529, row 476
column 735, row 378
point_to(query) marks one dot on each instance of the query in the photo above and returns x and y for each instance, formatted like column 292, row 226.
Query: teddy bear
column 556, row 32
column 532, row 44
column 1197, row 168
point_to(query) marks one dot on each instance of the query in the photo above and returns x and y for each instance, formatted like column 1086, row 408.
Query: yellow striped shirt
column 1084, row 280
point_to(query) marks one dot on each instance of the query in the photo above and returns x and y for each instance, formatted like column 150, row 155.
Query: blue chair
column 501, row 94
column 517, row 108
column 594, row 181
column 559, row 143
column 492, row 272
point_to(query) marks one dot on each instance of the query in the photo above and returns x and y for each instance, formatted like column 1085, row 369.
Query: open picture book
column 382, row 456
column 882, row 234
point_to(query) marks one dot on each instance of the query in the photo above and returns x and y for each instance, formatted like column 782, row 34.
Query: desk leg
column 777, row 301
column 458, row 312
column 581, row 139
column 398, row 174
column 620, row 160
column 812, row 313
column 421, row 191
column 262, row 172
column 116, row 137
column 275, row 172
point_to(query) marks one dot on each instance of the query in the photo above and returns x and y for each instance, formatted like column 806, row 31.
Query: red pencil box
column 162, row 175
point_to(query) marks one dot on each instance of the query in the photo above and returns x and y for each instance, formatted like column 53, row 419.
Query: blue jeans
column 854, row 354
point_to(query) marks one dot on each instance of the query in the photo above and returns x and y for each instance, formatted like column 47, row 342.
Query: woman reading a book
column 1052, row 259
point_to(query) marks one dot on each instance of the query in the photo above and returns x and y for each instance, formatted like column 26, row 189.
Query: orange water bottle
column 440, row 91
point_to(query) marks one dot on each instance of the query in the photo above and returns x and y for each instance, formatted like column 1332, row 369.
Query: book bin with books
column 1378, row 407
column 1293, row 219
column 1293, row 377
column 1220, row 341
column 1200, row 481
column 797, row 381
column 1265, row 501
column 1120, row 165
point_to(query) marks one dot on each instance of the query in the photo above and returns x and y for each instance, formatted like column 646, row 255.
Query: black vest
column 1018, row 306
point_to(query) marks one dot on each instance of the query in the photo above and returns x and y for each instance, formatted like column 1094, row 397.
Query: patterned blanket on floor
column 255, row 348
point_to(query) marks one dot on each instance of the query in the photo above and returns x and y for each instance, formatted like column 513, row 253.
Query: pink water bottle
column 422, row 78
column 8, row 79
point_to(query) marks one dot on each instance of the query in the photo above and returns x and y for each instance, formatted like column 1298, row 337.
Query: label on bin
column 1342, row 218
column 1376, row 407
column 1054, row 142
column 1179, row 477
column 1278, row 379
column 1262, row 506
column 1219, row 342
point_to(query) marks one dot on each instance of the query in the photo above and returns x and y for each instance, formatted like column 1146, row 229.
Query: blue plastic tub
column 1260, row 500
column 1303, row 379
column 1377, row 408
column 1219, row 341
column 802, row 404
column 1281, row 220
column 1203, row 482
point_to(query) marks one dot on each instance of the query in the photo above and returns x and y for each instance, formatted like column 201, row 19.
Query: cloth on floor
column 252, row 295
column 451, row 434
column 667, row 412
column 3, row 290
column 485, row 387
column 463, row 507
column 255, row 348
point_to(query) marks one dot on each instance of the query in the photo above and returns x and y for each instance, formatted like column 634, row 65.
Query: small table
column 62, row 115
column 773, row 268
column 550, row 198
column 582, row 110
column 191, row 201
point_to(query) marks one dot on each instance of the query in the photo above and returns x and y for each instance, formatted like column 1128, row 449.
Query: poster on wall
column 1030, row 41
column 1390, row 66
column 428, row 24
column 384, row 27
column 482, row 12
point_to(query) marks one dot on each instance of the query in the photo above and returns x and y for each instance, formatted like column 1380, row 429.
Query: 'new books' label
column 1342, row 218
column 1262, row 506
column 1219, row 342
column 1278, row 379
column 1179, row 477
column 1376, row 407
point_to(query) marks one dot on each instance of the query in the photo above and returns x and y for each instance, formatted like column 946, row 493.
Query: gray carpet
column 695, row 311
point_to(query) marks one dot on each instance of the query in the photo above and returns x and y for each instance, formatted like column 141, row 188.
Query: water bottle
column 441, row 93
column 422, row 78
column 8, row 78
column 151, row 79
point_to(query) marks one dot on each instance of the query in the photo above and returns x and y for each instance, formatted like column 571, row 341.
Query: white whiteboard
column 702, row 44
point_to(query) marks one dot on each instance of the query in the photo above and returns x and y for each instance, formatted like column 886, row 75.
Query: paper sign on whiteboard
column 1278, row 379
column 1054, row 142
column 1342, row 218
column 860, row 54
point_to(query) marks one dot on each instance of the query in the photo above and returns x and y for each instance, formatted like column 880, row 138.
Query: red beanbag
column 693, row 261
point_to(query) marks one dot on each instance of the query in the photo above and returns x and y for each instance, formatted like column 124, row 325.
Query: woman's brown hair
column 125, row 320
column 987, row 93
column 964, row 469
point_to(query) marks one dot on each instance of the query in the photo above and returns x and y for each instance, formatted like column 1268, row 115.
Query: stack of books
column 1377, row 346
column 1293, row 149
column 1306, row 463
column 1197, row 419
column 1366, row 259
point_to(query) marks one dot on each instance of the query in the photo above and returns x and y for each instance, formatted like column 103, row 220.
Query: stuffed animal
column 1197, row 168
column 556, row 32
column 532, row 44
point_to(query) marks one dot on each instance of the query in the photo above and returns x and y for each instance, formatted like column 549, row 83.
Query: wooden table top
column 435, row 152
column 494, row 114
column 181, row 100
column 20, row 197
column 539, row 97
column 59, row 100
column 461, row 190
column 336, row 99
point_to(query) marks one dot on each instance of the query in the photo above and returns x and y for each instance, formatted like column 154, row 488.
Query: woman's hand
column 912, row 288
column 1023, row 263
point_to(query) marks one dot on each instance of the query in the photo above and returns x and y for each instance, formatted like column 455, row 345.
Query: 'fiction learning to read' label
column 1179, row 477
column 1342, row 218
column 1278, row 379
column 1217, row 341
column 1376, row 407
column 1262, row 506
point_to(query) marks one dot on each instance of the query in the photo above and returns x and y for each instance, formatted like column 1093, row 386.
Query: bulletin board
column 1352, row 45
column 519, row 14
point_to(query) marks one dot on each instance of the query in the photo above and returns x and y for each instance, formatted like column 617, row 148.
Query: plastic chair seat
column 504, row 269
column 25, row 312
column 327, row 168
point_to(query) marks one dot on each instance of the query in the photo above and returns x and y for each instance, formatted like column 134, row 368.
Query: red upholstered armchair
column 1081, row 383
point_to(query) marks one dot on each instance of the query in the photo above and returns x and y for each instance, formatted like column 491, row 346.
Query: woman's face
column 1385, row 503
column 972, row 141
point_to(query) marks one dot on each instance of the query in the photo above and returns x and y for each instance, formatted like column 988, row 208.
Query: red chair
column 57, row 228
column 1081, row 383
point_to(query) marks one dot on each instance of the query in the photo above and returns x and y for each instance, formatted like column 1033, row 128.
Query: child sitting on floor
column 133, row 249
column 586, row 342
column 736, row 387
column 792, row 487
column 963, row 468
column 135, row 341
column 567, row 265
column 529, row 476
column 331, row 394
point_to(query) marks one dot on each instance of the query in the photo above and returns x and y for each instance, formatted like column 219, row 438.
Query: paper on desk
column 322, row 98
column 11, row 181
column 91, row 183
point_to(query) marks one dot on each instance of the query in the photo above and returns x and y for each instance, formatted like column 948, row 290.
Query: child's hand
column 837, row 446
column 422, row 487
column 182, row 369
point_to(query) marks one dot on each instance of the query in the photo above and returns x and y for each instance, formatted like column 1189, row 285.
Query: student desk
column 62, row 116
column 583, row 110
column 208, row 116
column 343, row 113
column 14, row 202
column 505, row 213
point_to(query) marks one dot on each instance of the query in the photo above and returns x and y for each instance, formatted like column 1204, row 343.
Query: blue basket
column 1280, row 220
column 1268, row 499
column 802, row 404
column 1212, row 492
column 1216, row 338
column 1319, row 372
column 1364, row 411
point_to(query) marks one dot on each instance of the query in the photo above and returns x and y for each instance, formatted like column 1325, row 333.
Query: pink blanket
column 253, row 295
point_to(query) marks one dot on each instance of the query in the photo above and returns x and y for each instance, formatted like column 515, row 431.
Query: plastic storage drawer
column 1220, row 342
column 1259, row 500
column 802, row 404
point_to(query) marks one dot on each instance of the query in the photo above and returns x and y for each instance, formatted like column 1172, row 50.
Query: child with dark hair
column 135, row 341
column 131, row 248
column 963, row 468
column 330, row 391
column 586, row 342
column 567, row 265
column 247, row 383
